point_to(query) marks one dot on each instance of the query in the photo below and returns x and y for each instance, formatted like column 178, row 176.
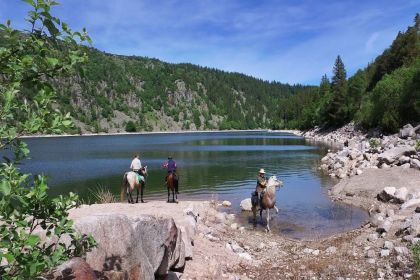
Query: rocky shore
column 199, row 240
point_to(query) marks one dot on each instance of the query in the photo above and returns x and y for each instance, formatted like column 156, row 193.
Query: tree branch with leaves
column 29, row 60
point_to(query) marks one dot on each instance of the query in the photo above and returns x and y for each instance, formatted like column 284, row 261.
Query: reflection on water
column 220, row 163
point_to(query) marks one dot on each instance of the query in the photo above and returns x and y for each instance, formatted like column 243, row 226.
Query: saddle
column 140, row 178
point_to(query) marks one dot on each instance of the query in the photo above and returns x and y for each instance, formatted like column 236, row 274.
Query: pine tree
column 338, row 112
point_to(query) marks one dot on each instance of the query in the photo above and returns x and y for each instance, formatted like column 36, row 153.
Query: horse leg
column 169, row 194
column 277, row 210
column 137, row 198
column 141, row 194
column 261, row 214
column 173, row 195
column 268, row 219
column 131, row 200
column 254, row 213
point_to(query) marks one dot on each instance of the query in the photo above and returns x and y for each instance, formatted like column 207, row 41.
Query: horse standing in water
column 131, row 182
column 170, row 184
column 268, row 200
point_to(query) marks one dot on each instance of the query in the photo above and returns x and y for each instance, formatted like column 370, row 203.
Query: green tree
column 28, row 61
column 337, row 110
column 130, row 127
column 356, row 90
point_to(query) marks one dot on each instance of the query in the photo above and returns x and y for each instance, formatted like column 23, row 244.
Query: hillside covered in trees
column 114, row 93
column 386, row 94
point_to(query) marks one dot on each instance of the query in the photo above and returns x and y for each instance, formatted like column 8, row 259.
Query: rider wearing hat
column 171, row 166
column 261, row 183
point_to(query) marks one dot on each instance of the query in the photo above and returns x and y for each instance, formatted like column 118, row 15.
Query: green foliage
column 394, row 101
column 417, row 145
column 415, row 250
column 375, row 143
column 27, row 62
column 130, row 127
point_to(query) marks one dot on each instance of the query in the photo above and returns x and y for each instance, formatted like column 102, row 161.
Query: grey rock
column 401, row 195
column 376, row 220
column 236, row 248
column 226, row 203
column 385, row 226
column 387, row 194
column 388, row 245
column 359, row 172
column 415, row 163
column 385, row 253
column 370, row 254
column 372, row 237
column 394, row 154
column 246, row 204
column 407, row 131
column 331, row 250
column 142, row 247
column 402, row 251
column 308, row 251
column 76, row 268
column 414, row 228
column 406, row 165
column 412, row 203
column 404, row 159
column 245, row 256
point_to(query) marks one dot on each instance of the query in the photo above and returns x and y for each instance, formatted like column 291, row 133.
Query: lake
column 221, row 165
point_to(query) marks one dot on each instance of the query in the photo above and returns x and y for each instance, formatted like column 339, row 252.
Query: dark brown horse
column 131, row 182
column 268, row 201
column 170, row 184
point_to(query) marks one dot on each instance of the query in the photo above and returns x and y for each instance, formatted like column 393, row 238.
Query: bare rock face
column 142, row 248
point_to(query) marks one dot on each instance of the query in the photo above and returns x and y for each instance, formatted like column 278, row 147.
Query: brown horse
column 268, row 200
column 130, row 182
column 170, row 184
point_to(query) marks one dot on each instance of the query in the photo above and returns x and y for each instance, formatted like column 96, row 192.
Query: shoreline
column 153, row 132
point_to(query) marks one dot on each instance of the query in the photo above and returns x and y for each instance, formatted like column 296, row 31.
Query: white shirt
column 135, row 164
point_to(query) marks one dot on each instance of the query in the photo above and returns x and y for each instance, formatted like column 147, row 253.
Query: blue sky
column 284, row 40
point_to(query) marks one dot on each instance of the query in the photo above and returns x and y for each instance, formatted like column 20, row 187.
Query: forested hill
column 120, row 93
column 385, row 95
column 130, row 93
column 114, row 93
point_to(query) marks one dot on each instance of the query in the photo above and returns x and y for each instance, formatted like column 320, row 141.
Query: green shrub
column 415, row 250
column 375, row 143
column 130, row 127
column 417, row 145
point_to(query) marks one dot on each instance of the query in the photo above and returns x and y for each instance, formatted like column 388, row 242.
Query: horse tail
column 123, row 187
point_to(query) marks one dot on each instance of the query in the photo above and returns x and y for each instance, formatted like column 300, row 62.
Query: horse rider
column 170, row 165
column 261, row 183
column 136, row 165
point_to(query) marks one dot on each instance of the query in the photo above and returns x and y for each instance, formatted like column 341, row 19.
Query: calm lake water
column 223, row 165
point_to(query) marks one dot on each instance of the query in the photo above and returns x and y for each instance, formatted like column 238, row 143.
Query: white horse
column 131, row 182
column 268, row 200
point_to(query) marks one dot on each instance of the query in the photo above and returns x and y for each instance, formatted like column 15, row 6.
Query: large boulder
column 395, row 153
column 141, row 248
column 412, row 203
column 246, row 205
column 407, row 131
